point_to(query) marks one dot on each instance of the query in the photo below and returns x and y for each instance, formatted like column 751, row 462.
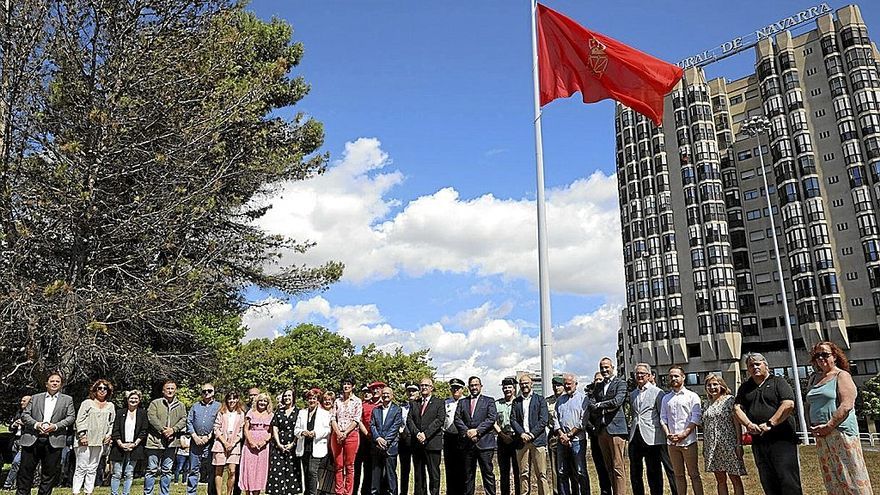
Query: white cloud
column 356, row 221
column 268, row 317
column 489, row 346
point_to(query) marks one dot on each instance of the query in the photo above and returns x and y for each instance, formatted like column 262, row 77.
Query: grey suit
column 647, row 441
column 41, row 448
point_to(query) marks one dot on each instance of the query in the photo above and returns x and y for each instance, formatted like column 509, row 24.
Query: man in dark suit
column 385, row 431
column 45, row 424
column 529, row 417
column 606, row 414
column 475, row 420
column 425, row 424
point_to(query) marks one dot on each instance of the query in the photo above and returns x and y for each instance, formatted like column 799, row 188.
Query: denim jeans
column 122, row 468
column 199, row 456
column 159, row 462
column 13, row 471
column 572, row 468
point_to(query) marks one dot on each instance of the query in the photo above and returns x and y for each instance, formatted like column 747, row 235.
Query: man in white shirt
column 680, row 413
column 453, row 450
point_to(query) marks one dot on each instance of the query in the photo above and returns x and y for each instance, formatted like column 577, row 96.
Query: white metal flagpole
column 546, row 331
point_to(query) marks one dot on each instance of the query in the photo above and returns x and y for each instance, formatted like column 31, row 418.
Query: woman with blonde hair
column 226, row 450
column 94, row 425
column 830, row 405
column 722, row 448
column 255, row 454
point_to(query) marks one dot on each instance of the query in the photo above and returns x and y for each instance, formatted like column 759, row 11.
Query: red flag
column 572, row 58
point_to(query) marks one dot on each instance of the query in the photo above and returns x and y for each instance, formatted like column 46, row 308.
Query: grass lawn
column 810, row 477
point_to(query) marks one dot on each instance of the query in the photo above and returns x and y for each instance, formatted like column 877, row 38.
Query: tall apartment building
column 701, row 283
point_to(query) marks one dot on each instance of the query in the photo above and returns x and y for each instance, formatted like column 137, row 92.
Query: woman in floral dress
column 255, row 454
column 722, row 449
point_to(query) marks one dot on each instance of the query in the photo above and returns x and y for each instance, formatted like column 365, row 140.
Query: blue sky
column 427, row 108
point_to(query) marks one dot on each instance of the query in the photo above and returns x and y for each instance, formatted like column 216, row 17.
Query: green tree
column 138, row 142
column 868, row 400
column 311, row 356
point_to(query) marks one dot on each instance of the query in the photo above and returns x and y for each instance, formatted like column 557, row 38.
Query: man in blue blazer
column 475, row 419
column 385, row 426
column 606, row 414
column 529, row 417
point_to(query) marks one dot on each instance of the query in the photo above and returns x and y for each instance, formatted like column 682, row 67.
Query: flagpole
column 545, row 333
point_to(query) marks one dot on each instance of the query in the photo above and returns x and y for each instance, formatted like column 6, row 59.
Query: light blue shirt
column 570, row 413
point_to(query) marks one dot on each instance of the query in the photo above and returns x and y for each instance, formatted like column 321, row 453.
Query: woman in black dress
column 284, row 467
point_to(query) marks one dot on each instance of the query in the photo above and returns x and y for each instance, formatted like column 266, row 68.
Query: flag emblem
column 598, row 57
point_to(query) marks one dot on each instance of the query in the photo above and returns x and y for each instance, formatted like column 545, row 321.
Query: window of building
column 824, row 134
column 843, row 226
column 820, row 113
column 828, row 157
column 837, row 203
column 762, row 278
column 811, row 71
column 768, row 322
column 833, row 179
column 756, row 235
column 852, row 276
column 766, row 300
column 856, row 301
column 753, row 214
column 808, row 51
column 816, row 92
column 846, row 251
column 759, row 256
column 750, row 194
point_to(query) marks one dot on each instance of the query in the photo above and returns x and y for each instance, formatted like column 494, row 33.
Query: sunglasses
column 208, row 391
column 101, row 387
column 823, row 355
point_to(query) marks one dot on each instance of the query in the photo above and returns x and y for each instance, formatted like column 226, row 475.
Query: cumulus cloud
column 351, row 214
column 478, row 342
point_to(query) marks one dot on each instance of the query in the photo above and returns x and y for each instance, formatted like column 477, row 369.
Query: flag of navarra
column 572, row 58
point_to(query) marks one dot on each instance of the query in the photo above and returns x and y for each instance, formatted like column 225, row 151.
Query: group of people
column 344, row 444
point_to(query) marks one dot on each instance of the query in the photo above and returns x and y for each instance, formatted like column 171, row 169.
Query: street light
column 756, row 126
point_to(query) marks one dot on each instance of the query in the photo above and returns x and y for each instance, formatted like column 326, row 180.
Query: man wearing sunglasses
column 200, row 426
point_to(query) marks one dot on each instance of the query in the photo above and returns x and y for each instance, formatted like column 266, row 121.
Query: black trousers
column 363, row 466
column 453, row 459
column 49, row 459
column 642, row 455
column 426, row 462
column 404, row 455
column 309, row 467
column 601, row 470
column 508, row 464
column 778, row 467
column 472, row 457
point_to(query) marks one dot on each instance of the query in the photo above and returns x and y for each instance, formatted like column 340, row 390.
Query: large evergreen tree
column 138, row 140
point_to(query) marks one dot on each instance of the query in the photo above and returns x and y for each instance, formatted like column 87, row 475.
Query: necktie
column 473, row 405
column 424, row 405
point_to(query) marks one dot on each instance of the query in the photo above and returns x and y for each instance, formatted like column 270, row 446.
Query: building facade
column 701, row 283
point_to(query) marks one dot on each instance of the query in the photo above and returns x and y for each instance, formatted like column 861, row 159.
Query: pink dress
column 254, row 469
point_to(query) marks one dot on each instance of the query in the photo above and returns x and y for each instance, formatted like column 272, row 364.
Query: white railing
column 870, row 439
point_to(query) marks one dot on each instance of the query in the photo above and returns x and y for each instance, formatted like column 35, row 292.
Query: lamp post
column 756, row 126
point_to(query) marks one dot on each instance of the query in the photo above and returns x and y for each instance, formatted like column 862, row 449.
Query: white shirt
column 130, row 419
column 678, row 410
column 49, row 407
column 526, row 401
column 385, row 414
column 605, row 388
column 448, row 423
